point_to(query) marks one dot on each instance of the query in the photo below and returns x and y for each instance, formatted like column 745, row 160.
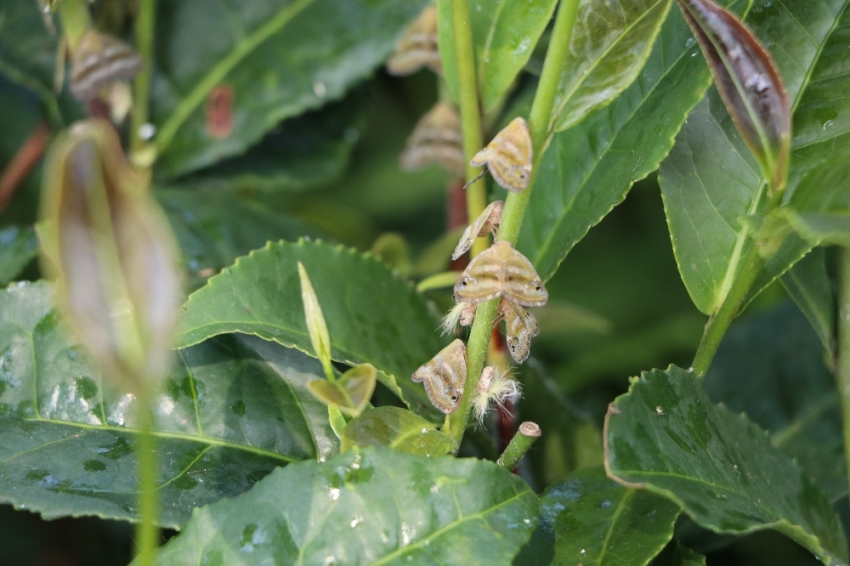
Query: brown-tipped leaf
column 748, row 82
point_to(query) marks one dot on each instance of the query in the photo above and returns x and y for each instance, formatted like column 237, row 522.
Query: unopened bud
column 316, row 326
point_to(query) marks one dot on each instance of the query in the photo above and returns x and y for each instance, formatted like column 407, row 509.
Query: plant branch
column 76, row 20
column 540, row 125
column 843, row 373
column 527, row 434
column 470, row 113
column 147, row 533
column 142, row 84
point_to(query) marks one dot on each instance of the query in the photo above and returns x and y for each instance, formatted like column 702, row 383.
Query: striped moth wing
column 99, row 60
column 508, row 156
column 520, row 328
column 417, row 48
column 444, row 376
column 437, row 138
column 487, row 221
column 500, row 270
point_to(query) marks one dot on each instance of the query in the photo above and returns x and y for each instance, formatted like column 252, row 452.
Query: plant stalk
column 540, row 120
column 527, row 434
column 76, row 20
column 147, row 532
column 719, row 323
column 142, row 84
column 843, row 373
column 470, row 113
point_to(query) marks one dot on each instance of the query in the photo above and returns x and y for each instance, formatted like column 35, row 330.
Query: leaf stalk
column 147, row 533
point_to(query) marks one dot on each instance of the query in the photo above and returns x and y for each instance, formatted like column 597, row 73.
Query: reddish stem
column 23, row 162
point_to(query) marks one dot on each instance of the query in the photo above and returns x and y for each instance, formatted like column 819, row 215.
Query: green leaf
column 504, row 34
column 589, row 168
column 373, row 316
column 18, row 247
column 666, row 436
column 594, row 521
column 280, row 59
column 610, row 43
column 710, row 180
column 677, row 555
column 366, row 507
column 214, row 228
column 788, row 391
column 809, row 285
column 398, row 429
column 232, row 410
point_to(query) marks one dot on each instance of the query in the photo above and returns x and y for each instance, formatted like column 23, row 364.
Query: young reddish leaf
column 748, row 82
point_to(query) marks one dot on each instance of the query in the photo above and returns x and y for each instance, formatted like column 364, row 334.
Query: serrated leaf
column 748, row 82
column 710, row 180
column 589, row 168
column 18, row 247
column 788, row 391
column 398, row 429
column 279, row 58
column 373, row 316
column 809, row 285
column 232, row 410
column 666, row 436
column 504, row 34
column 592, row 520
column 610, row 43
column 366, row 507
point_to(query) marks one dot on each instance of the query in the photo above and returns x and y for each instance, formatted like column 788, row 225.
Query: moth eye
column 463, row 283
column 454, row 397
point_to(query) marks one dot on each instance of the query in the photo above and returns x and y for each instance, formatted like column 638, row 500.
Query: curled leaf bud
column 316, row 326
column 112, row 252
column 351, row 394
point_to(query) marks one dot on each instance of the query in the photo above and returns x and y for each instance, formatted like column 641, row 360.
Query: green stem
column 843, row 373
column 142, row 84
column 539, row 124
column 147, row 533
column 527, row 434
column 76, row 21
column 470, row 114
column 719, row 323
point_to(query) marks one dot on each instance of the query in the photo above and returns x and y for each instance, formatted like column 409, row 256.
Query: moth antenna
column 484, row 172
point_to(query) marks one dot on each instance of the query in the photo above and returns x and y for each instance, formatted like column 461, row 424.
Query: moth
column 487, row 221
column 444, row 376
column 437, row 138
column 501, row 271
column 520, row 328
column 417, row 48
column 99, row 60
column 219, row 111
column 508, row 156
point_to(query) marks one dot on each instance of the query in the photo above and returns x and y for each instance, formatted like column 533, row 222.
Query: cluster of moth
column 500, row 272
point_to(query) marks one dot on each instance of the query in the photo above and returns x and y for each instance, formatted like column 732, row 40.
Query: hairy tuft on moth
column 496, row 387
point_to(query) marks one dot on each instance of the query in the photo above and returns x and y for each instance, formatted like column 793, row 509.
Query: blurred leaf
column 677, row 555
column 260, row 295
column 279, row 59
column 610, row 43
column 570, row 440
column 435, row 258
column 214, row 228
column 809, row 285
column 748, row 82
column 589, row 168
column 398, row 429
column 301, row 152
column 504, row 34
column 394, row 250
column 232, row 410
column 788, row 391
column 710, row 180
column 18, row 247
column 666, row 436
column 366, row 507
column 561, row 317
column 351, row 393
column 593, row 521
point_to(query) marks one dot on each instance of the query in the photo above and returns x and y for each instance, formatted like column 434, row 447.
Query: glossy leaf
column 260, row 295
column 610, row 44
column 398, row 429
column 788, row 391
column 589, row 168
column 710, row 180
column 592, row 520
column 279, row 58
column 214, row 228
column 232, row 410
column 809, row 285
column 748, row 82
column 666, row 436
column 18, row 247
column 366, row 507
column 504, row 34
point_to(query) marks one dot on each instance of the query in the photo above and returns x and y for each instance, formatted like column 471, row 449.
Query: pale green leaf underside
column 373, row 506
column 667, row 436
column 231, row 410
